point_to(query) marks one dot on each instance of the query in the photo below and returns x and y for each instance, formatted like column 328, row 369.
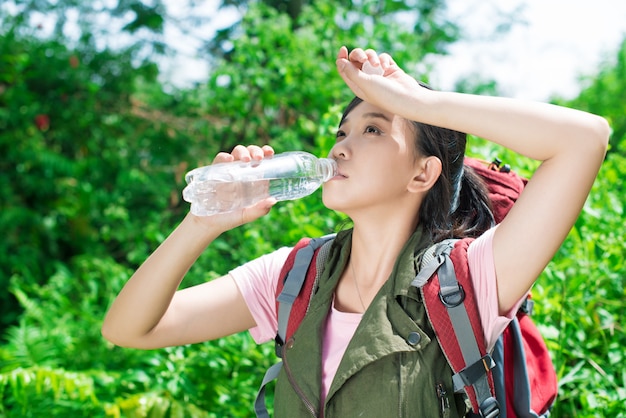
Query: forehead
column 367, row 111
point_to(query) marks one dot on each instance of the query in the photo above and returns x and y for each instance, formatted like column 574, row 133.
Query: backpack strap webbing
column 453, row 313
column 291, row 292
column 292, row 287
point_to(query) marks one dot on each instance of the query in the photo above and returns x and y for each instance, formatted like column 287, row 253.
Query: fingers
column 343, row 53
column 359, row 56
column 387, row 62
column 245, row 154
column 367, row 60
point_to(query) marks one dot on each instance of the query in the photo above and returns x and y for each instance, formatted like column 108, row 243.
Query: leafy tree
column 93, row 153
column 143, row 24
column 84, row 164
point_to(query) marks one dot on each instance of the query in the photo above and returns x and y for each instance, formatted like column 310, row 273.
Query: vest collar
column 385, row 327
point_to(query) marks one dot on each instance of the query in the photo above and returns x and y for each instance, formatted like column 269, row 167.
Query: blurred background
column 104, row 106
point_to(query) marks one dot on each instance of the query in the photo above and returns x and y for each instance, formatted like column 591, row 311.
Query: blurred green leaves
column 93, row 151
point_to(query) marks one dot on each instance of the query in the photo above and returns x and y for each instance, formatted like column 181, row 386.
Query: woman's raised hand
column 377, row 79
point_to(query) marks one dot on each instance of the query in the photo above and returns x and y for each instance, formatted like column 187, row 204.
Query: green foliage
column 55, row 392
column 77, row 157
column 581, row 295
column 583, row 289
column 57, row 356
column 93, row 154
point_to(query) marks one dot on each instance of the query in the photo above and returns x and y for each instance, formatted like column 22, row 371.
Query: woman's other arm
column 149, row 312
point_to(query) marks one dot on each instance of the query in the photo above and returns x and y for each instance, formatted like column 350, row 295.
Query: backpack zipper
column 307, row 403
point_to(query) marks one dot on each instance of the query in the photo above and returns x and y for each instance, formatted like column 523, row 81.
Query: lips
column 340, row 175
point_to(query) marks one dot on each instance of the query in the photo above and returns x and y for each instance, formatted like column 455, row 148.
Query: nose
column 340, row 151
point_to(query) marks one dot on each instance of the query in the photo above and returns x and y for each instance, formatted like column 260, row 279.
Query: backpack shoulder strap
column 296, row 284
column 447, row 290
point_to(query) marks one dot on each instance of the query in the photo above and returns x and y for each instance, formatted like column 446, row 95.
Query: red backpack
column 516, row 379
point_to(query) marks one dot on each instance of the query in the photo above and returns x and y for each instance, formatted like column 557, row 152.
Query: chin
column 331, row 202
column 337, row 205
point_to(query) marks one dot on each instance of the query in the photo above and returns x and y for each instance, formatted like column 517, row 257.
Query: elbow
column 113, row 334
column 601, row 132
column 109, row 334
column 123, row 338
column 590, row 141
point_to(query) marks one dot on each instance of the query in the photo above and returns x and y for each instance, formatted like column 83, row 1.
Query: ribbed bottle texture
column 226, row 187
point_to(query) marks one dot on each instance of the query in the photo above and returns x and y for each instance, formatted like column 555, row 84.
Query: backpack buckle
column 452, row 296
column 490, row 408
column 278, row 346
column 527, row 306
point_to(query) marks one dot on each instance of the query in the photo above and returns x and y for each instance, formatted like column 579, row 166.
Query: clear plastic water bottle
column 225, row 187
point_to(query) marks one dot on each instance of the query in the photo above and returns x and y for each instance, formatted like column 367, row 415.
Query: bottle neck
column 328, row 168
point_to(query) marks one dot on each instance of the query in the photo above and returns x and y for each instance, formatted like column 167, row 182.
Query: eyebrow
column 376, row 115
column 371, row 115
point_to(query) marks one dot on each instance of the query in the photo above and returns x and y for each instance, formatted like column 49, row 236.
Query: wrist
column 203, row 229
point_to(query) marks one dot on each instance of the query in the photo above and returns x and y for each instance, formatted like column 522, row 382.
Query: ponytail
column 473, row 215
column 458, row 208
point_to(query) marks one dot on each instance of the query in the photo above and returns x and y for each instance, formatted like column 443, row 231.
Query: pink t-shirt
column 257, row 281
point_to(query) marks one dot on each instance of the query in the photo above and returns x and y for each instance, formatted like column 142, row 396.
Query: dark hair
column 458, row 204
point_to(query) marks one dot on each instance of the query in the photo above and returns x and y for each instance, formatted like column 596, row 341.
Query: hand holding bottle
column 230, row 185
column 232, row 219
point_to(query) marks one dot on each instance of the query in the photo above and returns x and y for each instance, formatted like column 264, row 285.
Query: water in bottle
column 226, row 187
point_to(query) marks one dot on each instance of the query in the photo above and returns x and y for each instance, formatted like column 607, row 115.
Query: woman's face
column 375, row 154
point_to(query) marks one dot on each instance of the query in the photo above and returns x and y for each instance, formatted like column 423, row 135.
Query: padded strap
column 291, row 289
column 475, row 373
column 452, row 296
column 293, row 284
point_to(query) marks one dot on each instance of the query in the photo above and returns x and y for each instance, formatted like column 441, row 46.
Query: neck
column 375, row 249
column 373, row 255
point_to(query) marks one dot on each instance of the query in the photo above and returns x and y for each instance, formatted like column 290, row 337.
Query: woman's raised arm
column 570, row 144
column 149, row 312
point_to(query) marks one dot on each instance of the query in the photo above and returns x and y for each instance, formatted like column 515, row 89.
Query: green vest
column 392, row 367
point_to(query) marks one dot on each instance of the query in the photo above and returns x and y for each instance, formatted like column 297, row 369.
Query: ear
column 428, row 170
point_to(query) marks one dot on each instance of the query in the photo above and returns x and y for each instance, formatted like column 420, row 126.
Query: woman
column 401, row 182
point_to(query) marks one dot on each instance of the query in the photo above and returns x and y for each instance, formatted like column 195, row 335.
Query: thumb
column 350, row 75
column 344, row 66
